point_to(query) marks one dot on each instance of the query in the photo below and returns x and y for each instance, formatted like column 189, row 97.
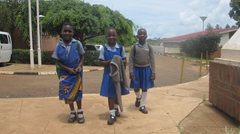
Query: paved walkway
column 43, row 70
column 182, row 108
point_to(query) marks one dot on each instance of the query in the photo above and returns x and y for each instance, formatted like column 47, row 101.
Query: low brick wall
column 224, row 86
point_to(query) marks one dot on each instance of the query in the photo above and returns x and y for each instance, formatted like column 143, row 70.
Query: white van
column 5, row 47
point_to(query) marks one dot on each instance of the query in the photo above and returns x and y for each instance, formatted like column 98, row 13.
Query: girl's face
column 142, row 35
column 111, row 37
column 67, row 33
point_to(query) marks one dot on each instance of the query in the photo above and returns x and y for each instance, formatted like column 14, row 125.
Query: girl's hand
column 153, row 76
column 131, row 76
column 79, row 69
column 71, row 71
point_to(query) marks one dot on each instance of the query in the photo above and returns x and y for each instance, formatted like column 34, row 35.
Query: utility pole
column 38, row 36
column 203, row 18
column 30, row 35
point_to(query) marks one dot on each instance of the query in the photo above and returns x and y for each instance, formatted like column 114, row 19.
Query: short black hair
column 67, row 24
column 141, row 30
column 108, row 29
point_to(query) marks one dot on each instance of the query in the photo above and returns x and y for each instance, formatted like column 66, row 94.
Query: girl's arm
column 105, row 63
column 152, row 62
column 79, row 68
column 70, row 70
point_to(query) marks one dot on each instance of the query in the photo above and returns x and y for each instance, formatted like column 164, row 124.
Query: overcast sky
column 167, row 18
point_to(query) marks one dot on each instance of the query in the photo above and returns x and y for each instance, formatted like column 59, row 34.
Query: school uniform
column 107, row 86
column 70, row 86
column 142, row 65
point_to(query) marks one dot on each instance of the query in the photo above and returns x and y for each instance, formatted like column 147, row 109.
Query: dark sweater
column 141, row 57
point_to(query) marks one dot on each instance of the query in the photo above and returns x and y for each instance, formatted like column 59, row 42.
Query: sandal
column 72, row 117
column 143, row 109
column 80, row 117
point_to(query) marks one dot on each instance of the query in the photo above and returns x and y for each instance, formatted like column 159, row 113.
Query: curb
column 41, row 73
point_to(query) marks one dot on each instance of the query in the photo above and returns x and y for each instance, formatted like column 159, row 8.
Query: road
column 17, row 86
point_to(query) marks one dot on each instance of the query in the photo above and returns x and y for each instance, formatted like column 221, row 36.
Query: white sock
column 80, row 115
column 79, row 110
column 112, row 112
column 116, row 106
column 143, row 99
column 72, row 115
column 138, row 95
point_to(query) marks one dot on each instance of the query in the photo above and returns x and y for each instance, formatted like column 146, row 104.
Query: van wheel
column 2, row 64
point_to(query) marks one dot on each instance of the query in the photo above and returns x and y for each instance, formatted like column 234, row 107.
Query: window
column 3, row 39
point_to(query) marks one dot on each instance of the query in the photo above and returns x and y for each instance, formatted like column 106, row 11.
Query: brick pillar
column 224, row 86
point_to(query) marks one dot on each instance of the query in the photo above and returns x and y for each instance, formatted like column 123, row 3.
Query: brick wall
column 224, row 86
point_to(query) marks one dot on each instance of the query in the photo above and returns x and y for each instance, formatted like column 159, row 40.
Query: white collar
column 110, row 48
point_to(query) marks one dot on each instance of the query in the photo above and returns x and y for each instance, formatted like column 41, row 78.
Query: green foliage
column 90, row 21
column 194, row 47
column 5, row 13
column 22, row 56
column 235, row 11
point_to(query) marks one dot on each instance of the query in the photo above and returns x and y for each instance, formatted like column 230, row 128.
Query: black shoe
column 137, row 102
column 80, row 119
column 117, row 113
column 143, row 109
column 72, row 117
column 111, row 119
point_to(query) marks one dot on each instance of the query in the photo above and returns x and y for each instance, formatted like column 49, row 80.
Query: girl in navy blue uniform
column 69, row 55
column 110, row 49
column 141, row 69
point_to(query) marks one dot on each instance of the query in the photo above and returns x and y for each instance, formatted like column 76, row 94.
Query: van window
column 3, row 39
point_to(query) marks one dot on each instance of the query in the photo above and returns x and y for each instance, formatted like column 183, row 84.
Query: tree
column 217, row 27
column 227, row 26
column 194, row 47
column 89, row 21
column 209, row 27
column 9, row 11
column 235, row 11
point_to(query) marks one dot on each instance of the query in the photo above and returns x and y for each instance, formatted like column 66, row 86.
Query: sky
column 169, row 18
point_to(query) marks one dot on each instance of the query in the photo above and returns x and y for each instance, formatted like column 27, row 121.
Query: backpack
column 58, row 68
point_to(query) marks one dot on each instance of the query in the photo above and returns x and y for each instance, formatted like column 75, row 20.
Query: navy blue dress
column 107, row 87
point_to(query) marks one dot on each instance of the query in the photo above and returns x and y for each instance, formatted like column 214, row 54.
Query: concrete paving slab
column 49, row 115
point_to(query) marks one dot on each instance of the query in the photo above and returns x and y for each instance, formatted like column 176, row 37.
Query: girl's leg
column 116, row 106
column 143, row 101
column 71, row 106
column 80, row 116
column 72, row 116
column 79, row 104
column 138, row 97
column 112, row 117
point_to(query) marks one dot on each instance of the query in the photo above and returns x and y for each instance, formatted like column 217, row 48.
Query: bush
column 23, row 56
column 194, row 47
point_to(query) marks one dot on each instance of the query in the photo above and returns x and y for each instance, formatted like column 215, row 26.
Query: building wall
column 172, row 50
column 158, row 50
column 49, row 43
column 224, row 39
column 224, row 86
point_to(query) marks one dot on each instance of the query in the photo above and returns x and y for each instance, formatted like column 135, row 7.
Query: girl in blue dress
column 107, row 88
column 141, row 69
column 68, row 55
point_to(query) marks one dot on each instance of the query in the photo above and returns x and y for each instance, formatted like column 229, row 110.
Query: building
column 172, row 45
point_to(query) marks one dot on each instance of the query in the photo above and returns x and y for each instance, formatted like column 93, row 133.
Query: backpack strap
column 77, row 45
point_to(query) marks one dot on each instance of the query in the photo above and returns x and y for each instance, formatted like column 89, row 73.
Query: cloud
column 165, row 18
